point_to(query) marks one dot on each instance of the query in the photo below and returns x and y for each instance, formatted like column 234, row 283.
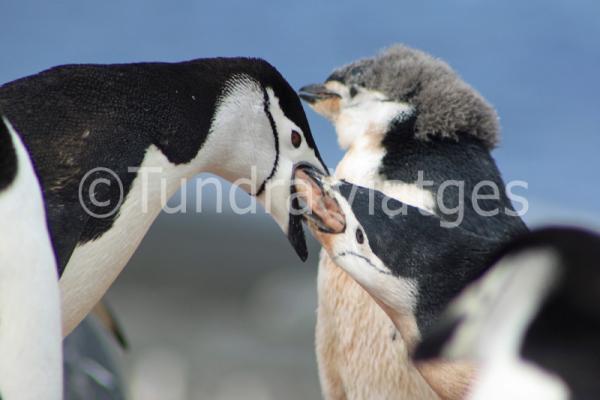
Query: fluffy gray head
column 445, row 104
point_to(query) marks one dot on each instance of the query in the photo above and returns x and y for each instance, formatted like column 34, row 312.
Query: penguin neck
column 239, row 147
column 450, row 380
column 453, row 261
column 242, row 145
column 224, row 130
column 435, row 259
column 223, row 122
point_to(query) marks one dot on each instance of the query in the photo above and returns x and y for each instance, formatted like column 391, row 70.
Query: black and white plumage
column 403, row 117
column 152, row 125
column 532, row 321
column 404, row 112
column 30, row 324
column 403, row 257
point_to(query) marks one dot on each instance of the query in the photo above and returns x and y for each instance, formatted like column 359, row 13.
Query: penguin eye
column 360, row 237
column 296, row 139
column 353, row 91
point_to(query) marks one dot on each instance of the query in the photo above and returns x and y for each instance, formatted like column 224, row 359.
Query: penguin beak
column 295, row 233
column 316, row 93
column 279, row 200
column 315, row 201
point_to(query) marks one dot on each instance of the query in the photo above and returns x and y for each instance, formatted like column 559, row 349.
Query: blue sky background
column 536, row 61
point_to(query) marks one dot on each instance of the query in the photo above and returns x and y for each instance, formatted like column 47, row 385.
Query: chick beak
column 315, row 202
column 315, row 93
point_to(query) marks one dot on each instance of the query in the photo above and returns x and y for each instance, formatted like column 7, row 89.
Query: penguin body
column 403, row 257
column 402, row 115
column 112, row 143
column 30, row 327
column 532, row 321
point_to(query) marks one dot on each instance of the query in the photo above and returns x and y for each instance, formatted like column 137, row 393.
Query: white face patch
column 361, row 123
column 241, row 134
column 363, row 111
column 359, row 261
column 256, row 155
column 277, row 188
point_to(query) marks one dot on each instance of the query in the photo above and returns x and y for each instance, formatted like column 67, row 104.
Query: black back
column 444, row 159
column 413, row 244
column 75, row 118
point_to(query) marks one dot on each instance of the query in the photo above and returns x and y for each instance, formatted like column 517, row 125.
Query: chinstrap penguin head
column 365, row 234
column 266, row 132
column 399, row 85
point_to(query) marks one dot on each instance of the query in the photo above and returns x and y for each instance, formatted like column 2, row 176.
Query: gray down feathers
column 446, row 105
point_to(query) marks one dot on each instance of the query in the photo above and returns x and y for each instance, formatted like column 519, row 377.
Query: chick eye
column 353, row 91
column 296, row 139
column 360, row 237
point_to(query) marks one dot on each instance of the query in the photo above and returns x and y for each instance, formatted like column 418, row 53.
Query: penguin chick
column 417, row 132
column 414, row 130
column 399, row 84
column 402, row 256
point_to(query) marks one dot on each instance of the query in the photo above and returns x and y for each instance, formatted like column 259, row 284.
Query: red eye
column 296, row 139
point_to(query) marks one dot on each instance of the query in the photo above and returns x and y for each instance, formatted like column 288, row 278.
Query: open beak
column 315, row 93
column 315, row 201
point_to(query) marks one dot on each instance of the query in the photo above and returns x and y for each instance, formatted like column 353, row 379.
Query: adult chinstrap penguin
column 148, row 126
column 410, row 264
column 30, row 322
column 418, row 133
column 532, row 321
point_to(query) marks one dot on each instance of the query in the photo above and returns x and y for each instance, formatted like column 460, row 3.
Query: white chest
column 239, row 147
column 361, row 164
column 30, row 340
column 94, row 265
